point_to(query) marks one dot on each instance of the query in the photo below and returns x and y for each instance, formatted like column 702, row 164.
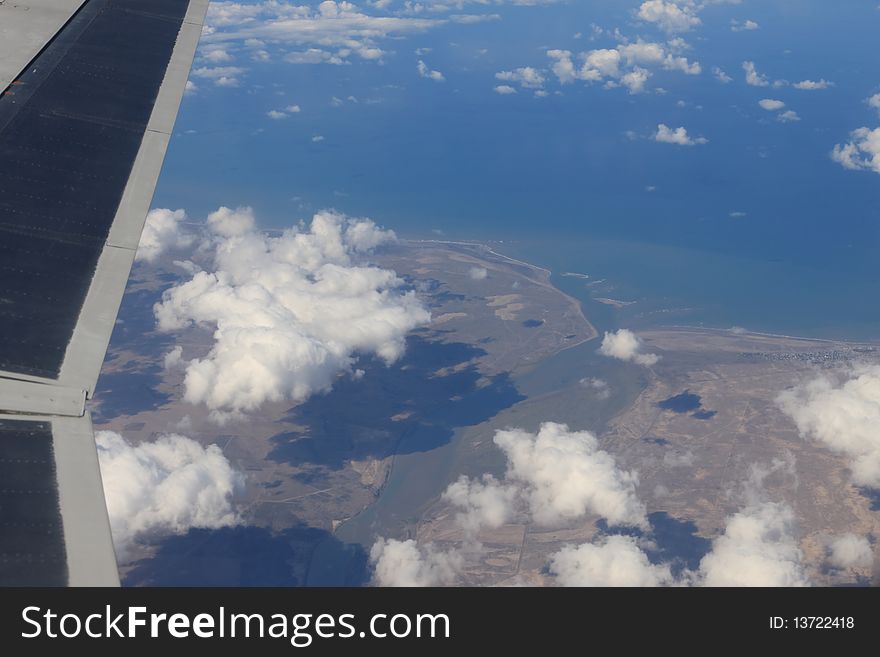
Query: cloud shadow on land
column 432, row 391
column 128, row 392
column 676, row 542
column 247, row 556
column 873, row 495
column 133, row 388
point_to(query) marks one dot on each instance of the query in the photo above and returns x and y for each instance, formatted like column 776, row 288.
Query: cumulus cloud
column 669, row 16
column 478, row 273
column 164, row 231
column 625, row 345
column 527, row 77
column 770, row 104
column 504, row 89
column 635, row 79
column 625, row 65
column 850, row 551
column 221, row 76
column 484, row 503
column 613, row 561
column 553, row 476
column 331, row 32
column 426, row 72
column 788, row 116
column 288, row 313
column 404, row 563
column 874, row 101
column 861, row 152
column 744, row 26
column 173, row 358
column 678, row 136
column 215, row 55
column 757, row 548
column 720, row 75
column 753, row 78
column 565, row 476
column 277, row 115
column 812, row 85
column 844, row 415
column 164, row 487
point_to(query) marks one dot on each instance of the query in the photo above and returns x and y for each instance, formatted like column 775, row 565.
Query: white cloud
column 747, row 25
column 604, row 62
column 682, row 64
column 635, row 80
column 221, row 76
column 757, row 548
column 563, row 66
column 669, row 16
column 754, row 78
column 844, row 415
column 404, row 563
column 678, row 136
column 812, row 85
column 863, row 152
column 788, row 116
column 332, row 32
column 278, row 115
column 553, row 476
column 527, row 77
column 850, row 551
column 625, row 65
column 614, row 561
column 504, row 89
column 770, row 104
column 485, row 503
column 625, row 345
column 478, row 273
column 426, row 72
column 191, row 88
column 287, row 328
column 173, row 358
column 720, row 75
column 317, row 139
column 163, row 232
column 216, row 55
column 565, row 476
column 314, row 56
column 164, row 487
column 874, row 101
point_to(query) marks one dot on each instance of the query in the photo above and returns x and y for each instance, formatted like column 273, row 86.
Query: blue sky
column 566, row 154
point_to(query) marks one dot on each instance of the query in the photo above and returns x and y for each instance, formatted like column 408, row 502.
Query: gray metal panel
column 27, row 397
column 25, row 28
column 86, row 350
column 90, row 557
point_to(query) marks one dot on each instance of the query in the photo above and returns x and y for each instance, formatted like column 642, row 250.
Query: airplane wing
column 89, row 92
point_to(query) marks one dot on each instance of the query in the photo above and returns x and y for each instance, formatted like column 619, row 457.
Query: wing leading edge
column 84, row 127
